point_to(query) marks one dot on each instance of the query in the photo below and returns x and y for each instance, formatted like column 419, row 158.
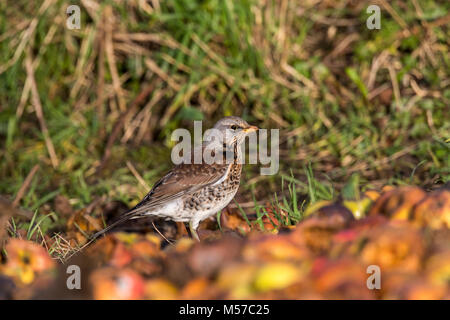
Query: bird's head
column 234, row 130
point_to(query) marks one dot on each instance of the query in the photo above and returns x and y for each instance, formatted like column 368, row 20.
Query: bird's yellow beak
column 251, row 129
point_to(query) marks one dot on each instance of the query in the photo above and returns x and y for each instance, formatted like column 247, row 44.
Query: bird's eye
column 234, row 127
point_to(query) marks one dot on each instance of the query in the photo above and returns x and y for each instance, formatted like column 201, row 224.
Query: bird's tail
column 127, row 216
column 110, row 227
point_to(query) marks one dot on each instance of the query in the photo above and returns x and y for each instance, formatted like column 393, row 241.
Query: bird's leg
column 192, row 228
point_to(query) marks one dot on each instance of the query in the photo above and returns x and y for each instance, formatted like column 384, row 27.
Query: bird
column 192, row 192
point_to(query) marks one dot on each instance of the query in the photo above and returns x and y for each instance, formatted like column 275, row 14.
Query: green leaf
column 351, row 189
column 190, row 113
column 353, row 75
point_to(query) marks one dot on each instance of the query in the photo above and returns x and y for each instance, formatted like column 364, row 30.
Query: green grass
column 278, row 64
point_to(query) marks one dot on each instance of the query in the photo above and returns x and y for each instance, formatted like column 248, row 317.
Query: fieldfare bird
column 192, row 192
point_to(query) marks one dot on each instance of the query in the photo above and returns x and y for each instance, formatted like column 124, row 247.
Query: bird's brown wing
column 182, row 179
